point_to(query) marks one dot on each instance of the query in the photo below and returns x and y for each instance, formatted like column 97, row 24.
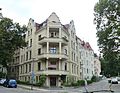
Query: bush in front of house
column 23, row 82
column 81, row 82
column 42, row 80
column 89, row 81
column 74, row 84
column 94, row 79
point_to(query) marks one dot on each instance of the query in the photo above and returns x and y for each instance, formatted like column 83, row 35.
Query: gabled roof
column 86, row 45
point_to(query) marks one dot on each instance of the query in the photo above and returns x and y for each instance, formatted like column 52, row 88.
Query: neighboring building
column 54, row 49
column 87, row 60
column 14, row 66
column 3, row 69
column 97, row 66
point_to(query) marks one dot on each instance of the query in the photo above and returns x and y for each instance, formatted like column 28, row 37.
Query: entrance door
column 52, row 81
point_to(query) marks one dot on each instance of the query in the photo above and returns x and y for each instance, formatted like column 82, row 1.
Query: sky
column 80, row 11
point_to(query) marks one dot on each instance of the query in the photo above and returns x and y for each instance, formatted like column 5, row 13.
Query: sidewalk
column 29, row 87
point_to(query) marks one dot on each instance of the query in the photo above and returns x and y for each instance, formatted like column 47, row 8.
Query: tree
column 42, row 80
column 11, row 38
column 107, row 20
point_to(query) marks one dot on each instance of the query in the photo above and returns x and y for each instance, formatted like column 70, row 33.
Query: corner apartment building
column 54, row 49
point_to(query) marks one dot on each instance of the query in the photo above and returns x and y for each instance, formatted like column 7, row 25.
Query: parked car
column 10, row 83
column 2, row 81
column 118, row 78
column 114, row 80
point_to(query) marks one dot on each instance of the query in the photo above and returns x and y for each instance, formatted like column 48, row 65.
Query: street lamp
column 32, row 73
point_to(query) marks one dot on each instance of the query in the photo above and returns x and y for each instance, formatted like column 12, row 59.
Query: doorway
column 52, row 81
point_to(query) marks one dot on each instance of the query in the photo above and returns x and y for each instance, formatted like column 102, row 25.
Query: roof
column 86, row 45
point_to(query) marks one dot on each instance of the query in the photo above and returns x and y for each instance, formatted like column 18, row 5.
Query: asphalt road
column 102, row 85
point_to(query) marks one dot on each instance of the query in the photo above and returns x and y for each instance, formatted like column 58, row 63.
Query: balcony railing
column 53, row 72
column 53, row 55
column 64, row 40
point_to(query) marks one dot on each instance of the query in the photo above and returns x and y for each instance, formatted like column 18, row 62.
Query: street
column 102, row 85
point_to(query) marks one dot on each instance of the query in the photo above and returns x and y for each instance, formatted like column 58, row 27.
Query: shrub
column 89, row 81
column 81, row 82
column 74, row 84
column 23, row 82
column 42, row 80
column 94, row 79
column 66, row 84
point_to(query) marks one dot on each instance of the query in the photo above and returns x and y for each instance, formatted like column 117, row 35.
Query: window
column 31, row 31
column 65, row 66
column 21, row 69
column 39, row 37
column 52, row 63
column 30, row 55
column 39, row 66
column 27, row 43
column 87, row 70
column 29, row 67
column 39, row 51
column 53, row 50
column 21, row 58
column 72, row 68
column 26, row 68
column 74, row 56
column 52, row 34
column 30, row 42
column 12, row 69
column 36, row 79
column 80, row 54
column 28, row 33
column 26, row 56
column 65, row 51
column 55, row 34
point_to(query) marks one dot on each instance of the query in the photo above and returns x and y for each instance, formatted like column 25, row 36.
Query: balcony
column 63, row 40
column 53, row 72
column 52, row 55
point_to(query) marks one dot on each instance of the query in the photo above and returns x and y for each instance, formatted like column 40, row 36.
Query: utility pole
column 32, row 73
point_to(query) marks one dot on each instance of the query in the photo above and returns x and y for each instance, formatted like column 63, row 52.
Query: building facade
column 53, row 49
column 97, row 66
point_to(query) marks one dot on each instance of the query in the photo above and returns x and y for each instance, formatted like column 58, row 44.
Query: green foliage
column 23, row 82
column 78, row 83
column 89, row 81
column 42, row 80
column 74, row 84
column 66, row 84
column 11, row 38
column 107, row 14
column 81, row 82
column 94, row 79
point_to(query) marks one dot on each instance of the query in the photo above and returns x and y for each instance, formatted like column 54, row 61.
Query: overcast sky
column 81, row 11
